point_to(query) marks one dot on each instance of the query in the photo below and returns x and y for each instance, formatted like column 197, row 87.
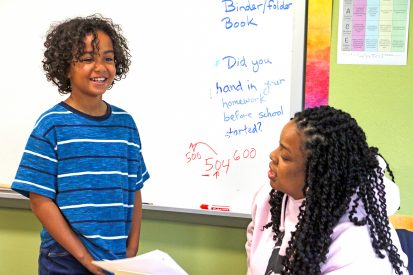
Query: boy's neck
column 94, row 107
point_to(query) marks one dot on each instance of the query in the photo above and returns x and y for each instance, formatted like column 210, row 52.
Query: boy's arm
column 135, row 229
column 52, row 219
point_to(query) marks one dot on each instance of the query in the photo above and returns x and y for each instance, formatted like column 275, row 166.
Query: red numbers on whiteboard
column 246, row 154
column 192, row 156
column 214, row 166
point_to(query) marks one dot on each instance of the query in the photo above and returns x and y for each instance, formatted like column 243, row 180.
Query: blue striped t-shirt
column 91, row 167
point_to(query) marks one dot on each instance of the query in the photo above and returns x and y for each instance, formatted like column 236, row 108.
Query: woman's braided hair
column 342, row 175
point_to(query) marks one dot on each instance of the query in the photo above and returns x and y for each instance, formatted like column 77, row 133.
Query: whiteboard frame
column 11, row 199
column 296, row 104
column 299, row 58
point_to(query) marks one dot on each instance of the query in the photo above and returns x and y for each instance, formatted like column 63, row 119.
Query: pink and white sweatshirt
column 350, row 252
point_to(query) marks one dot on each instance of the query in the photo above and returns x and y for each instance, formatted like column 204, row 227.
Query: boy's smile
column 94, row 72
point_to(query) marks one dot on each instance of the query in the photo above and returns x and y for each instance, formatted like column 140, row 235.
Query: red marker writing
column 214, row 207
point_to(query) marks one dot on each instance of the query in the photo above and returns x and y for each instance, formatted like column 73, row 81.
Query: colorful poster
column 373, row 32
column 318, row 53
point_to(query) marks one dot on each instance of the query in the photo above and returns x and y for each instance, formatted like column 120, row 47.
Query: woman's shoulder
column 260, row 208
column 262, row 195
column 351, row 252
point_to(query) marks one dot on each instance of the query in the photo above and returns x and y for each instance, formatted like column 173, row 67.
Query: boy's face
column 93, row 73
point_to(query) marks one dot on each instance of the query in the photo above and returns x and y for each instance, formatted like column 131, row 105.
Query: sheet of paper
column 155, row 262
column 373, row 32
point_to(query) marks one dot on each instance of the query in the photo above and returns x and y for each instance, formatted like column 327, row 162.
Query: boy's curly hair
column 342, row 175
column 65, row 44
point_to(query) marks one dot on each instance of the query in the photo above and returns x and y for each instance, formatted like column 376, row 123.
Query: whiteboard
column 210, row 86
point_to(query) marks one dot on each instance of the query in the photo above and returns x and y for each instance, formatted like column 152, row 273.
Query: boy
column 82, row 167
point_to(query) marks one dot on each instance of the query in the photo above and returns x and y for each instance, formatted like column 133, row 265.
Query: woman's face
column 287, row 166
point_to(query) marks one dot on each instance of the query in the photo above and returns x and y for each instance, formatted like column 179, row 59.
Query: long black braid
column 342, row 174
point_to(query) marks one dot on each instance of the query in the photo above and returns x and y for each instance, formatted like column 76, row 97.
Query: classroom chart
column 210, row 87
column 373, row 32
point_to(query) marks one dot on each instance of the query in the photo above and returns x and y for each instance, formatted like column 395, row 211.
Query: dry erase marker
column 214, row 207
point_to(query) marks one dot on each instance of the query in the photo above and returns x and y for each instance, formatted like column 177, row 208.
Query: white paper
column 155, row 262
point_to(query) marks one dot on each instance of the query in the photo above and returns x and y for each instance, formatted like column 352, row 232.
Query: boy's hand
column 131, row 252
column 86, row 261
column 52, row 219
column 93, row 268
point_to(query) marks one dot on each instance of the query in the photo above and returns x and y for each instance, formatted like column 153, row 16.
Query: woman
column 325, row 212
